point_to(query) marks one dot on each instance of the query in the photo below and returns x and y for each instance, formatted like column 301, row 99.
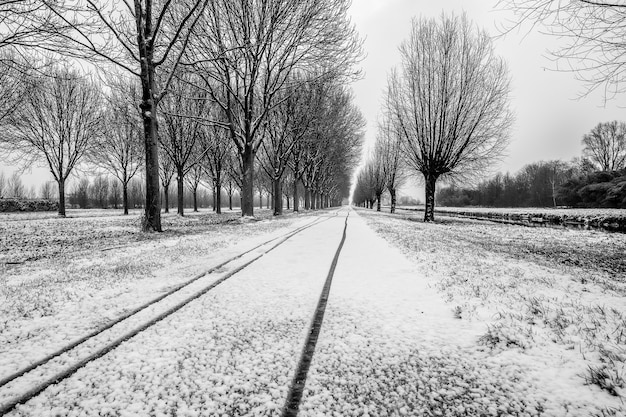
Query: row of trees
column 446, row 112
column 211, row 79
column 595, row 180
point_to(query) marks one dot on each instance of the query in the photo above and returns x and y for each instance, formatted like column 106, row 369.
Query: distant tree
column 605, row 146
column 449, row 101
column 166, row 173
column 3, row 185
column 182, row 129
column 388, row 150
column 114, row 194
column 193, row 180
column 119, row 150
column 99, row 191
column 47, row 190
column 80, row 193
column 15, row 187
column 217, row 150
column 60, row 116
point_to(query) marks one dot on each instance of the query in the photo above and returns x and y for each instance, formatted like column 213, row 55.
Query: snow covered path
column 231, row 352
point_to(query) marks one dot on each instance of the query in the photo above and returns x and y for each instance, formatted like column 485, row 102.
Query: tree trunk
column 218, row 193
column 287, row 197
column 195, row 200
column 247, row 189
column 378, row 202
column 214, row 198
column 61, row 184
column 307, row 198
column 392, row 191
column 125, row 197
column 296, row 202
column 152, row 215
column 218, row 200
column 230, row 201
column 181, row 191
column 277, row 185
column 429, row 212
column 166, row 195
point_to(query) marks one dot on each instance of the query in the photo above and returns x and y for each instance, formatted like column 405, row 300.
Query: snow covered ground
column 453, row 318
column 546, row 306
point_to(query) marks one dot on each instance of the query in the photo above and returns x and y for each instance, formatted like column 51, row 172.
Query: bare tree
column 449, row 101
column 605, row 146
column 166, row 173
column 141, row 37
column 182, row 112
column 15, row 187
column 217, row 150
column 59, row 119
column 592, row 32
column 195, row 177
column 389, row 149
column 3, row 185
column 119, row 148
column 248, row 49
column 47, row 190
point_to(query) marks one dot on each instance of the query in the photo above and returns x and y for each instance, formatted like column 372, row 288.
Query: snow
column 452, row 318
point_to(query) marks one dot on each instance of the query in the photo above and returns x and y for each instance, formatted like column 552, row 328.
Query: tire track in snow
column 67, row 372
column 292, row 404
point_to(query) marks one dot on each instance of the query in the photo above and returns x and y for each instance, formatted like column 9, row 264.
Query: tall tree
column 119, row 149
column 388, row 150
column 58, row 122
column 449, row 100
column 182, row 110
column 249, row 48
column 144, row 37
column 605, row 146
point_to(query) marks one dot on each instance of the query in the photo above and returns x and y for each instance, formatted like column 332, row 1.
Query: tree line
column 597, row 179
column 195, row 93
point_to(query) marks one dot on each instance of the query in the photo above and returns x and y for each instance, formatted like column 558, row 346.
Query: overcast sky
column 550, row 120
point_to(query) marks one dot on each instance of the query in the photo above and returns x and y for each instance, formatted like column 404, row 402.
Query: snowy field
column 61, row 278
column 456, row 318
column 550, row 305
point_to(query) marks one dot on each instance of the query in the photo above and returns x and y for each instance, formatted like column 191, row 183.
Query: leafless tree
column 449, row 101
column 249, row 48
column 183, row 109
column 605, row 146
column 144, row 37
column 193, row 179
column 3, row 184
column 217, row 149
column 47, row 190
column 592, row 33
column 114, row 194
column 99, row 191
column 332, row 147
column 166, row 173
column 58, row 122
column 388, row 149
column 119, row 150
column 15, row 187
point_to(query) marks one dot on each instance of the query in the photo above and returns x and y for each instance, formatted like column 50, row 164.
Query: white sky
column 550, row 120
